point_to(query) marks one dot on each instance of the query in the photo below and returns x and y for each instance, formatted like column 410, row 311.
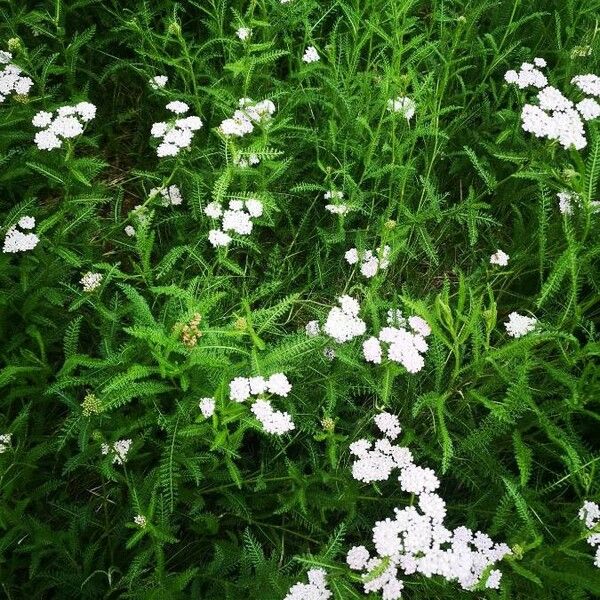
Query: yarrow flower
column 315, row 589
column 371, row 262
column 237, row 217
column 177, row 133
column 311, row 55
column 140, row 521
column 339, row 207
column 171, row 196
column 91, row 281
column 556, row 117
column 244, row 163
column 11, row 80
column 19, row 241
column 406, row 343
column 312, row 328
column 415, row 540
column 158, row 81
column 207, row 407
column 343, row 323
column 403, row 105
column 519, row 325
column 272, row 421
column 244, row 33
column 129, row 230
column 119, row 449
column 249, row 114
column 91, row 405
column 5, row 439
column 68, row 123
column 499, row 258
column 589, row 513
column 567, row 201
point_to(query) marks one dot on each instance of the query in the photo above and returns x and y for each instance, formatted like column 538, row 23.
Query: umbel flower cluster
column 118, row 450
column 169, row 196
column 250, row 113
column 405, row 340
column 370, row 262
column 315, row 589
column 519, row 325
column 403, row 105
column 5, row 440
column 339, row 207
column 91, row 281
column 273, row 421
column 17, row 240
column 555, row 116
column 11, row 80
column 343, row 323
column 589, row 513
column 415, row 540
column 176, row 133
column 68, row 122
column 568, row 201
column 499, row 258
column 237, row 217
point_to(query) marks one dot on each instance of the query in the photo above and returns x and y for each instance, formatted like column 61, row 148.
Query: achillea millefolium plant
column 299, row 299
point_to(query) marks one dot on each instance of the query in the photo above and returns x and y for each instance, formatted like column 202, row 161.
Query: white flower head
column 499, row 258
column 311, row 55
column 158, row 81
column 244, row 33
column 91, row 281
column 403, row 105
column 19, row 241
column 519, row 325
column 68, row 123
column 207, row 407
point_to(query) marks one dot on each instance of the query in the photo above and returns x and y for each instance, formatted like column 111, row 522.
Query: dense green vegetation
column 509, row 424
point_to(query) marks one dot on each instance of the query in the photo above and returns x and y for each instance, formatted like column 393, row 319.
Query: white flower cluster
column 244, row 163
column 249, row 114
column 158, row 81
column 273, row 421
column 416, row 539
column 405, row 339
column 343, row 323
column 170, row 196
column 238, row 217
column 499, row 258
column 5, row 440
column 177, row 133
column 568, row 200
column 518, row 325
column 403, row 105
column 140, row 521
column 588, row 84
column 91, row 281
column 370, row 262
column 68, row 123
column 339, row 208
column 315, row 589
column 556, row 117
column 120, row 449
column 312, row 328
column 11, row 79
column 589, row 513
column 18, row 241
column 311, row 55
column 244, row 33
column 207, row 407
